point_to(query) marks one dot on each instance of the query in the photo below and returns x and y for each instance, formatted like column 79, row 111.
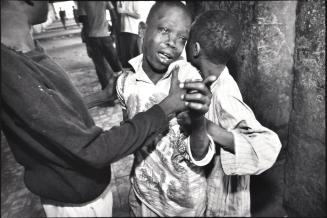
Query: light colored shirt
column 165, row 176
column 128, row 23
column 96, row 17
column 256, row 150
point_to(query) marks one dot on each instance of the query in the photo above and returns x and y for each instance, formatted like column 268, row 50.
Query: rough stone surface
column 305, row 176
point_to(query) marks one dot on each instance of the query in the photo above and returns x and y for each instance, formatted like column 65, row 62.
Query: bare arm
column 123, row 11
column 221, row 136
column 199, row 140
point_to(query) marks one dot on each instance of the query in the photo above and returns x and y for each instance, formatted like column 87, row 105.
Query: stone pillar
column 305, row 171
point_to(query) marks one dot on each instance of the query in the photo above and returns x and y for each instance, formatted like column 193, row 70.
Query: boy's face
column 165, row 38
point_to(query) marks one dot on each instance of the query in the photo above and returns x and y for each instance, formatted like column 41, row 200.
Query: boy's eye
column 163, row 29
column 183, row 38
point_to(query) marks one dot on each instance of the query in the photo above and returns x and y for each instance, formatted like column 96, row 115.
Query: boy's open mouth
column 164, row 57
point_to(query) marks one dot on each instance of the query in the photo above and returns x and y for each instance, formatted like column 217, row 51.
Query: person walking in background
column 100, row 45
column 129, row 12
column 62, row 15
column 75, row 13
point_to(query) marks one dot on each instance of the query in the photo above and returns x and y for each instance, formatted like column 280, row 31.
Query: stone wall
column 279, row 67
column 305, row 171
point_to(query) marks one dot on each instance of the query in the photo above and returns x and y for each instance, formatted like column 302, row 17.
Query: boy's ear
column 145, row 27
column 196, row 49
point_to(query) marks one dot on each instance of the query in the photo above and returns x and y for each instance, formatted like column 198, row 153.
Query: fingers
column 200, row 108
column 174, row 77
column 209, row 80
column 197, row 97
column 195, row 87
column 198, row 85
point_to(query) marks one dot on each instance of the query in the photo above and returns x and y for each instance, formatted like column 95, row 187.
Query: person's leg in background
column 63, row 21
column 123, row 48
column 105, row 74
column 133, row 49
column 97, row 55
column 111, row 55
column 128, row 48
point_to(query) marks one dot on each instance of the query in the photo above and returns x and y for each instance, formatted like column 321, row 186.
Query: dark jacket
column 51, row 133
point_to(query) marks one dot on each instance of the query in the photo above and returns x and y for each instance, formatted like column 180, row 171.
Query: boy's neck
column 154, row 75
column 208, row 68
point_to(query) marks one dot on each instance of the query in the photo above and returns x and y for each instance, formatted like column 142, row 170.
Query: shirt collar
column 136, row 63
column 223, row 74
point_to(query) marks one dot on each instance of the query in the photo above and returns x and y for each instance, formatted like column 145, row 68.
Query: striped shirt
column 256, row 150
column 165, row 177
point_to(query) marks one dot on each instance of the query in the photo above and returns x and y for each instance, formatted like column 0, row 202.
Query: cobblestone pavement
column 16, row 199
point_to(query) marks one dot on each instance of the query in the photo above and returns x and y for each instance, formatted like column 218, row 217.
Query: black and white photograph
column 163, row 108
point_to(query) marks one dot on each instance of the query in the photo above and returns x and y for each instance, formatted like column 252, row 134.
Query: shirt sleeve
column 208, row 157
column 256, row 147
column 46, row 113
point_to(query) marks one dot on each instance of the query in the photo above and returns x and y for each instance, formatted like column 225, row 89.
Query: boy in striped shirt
column 243, row 146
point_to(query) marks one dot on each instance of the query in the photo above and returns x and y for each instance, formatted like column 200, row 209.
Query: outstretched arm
column 199, row 139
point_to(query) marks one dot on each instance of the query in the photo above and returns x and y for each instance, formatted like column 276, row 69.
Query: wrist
column 198, row 122
column 200, row 153
column 167, row 109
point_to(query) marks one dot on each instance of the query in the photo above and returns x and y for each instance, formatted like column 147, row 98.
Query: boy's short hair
column 218, row 33
column 154, row 9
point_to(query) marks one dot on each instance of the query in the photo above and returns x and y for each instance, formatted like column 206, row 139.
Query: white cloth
column 99, row 207
column 130, row 24
column 256, row 150
column 165, row 179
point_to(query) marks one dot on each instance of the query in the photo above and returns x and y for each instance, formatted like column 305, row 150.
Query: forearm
column 121, row 141
column 199, row 140
column 168, row 108
column 128, row 13
column 221, row 136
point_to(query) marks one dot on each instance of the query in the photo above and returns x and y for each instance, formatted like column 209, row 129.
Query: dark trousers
column 128, row 48
column 101, row 49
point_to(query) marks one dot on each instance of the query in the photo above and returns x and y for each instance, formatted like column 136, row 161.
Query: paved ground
column 69, row 51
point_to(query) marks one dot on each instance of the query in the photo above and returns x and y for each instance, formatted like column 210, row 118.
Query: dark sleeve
column 54, row 127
